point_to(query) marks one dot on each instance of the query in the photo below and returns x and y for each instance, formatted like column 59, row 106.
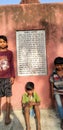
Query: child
column 56, row 81
column 30, row 100
column 7, row 75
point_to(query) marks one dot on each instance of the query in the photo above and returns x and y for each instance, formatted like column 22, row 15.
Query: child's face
column 30, row 92
column 59, row 66
column 3, row 44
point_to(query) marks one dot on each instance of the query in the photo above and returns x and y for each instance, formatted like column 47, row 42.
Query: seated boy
column 30, row 100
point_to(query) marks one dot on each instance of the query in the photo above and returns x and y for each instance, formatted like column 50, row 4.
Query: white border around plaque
column 31, row 52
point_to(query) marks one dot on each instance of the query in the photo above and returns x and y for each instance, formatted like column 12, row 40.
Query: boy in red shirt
column 7, row 75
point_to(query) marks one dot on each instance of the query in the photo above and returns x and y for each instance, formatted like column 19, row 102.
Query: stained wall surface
column 28, row 17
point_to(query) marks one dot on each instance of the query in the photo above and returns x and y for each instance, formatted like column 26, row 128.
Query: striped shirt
column 57, row 82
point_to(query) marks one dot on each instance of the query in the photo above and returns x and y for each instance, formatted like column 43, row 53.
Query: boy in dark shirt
column 31, row 100
column 7, row 75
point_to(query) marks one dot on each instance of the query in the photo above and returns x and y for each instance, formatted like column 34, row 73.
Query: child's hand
column 31, row 104
column 25, row 105
column 12, row 80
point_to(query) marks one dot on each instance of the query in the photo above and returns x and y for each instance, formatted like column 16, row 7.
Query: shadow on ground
column 15, row 122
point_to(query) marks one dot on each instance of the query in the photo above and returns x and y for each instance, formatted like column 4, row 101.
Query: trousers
column 59, row 104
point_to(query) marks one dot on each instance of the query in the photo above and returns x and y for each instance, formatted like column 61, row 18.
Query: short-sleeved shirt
column 57, row 81
column 34, row 98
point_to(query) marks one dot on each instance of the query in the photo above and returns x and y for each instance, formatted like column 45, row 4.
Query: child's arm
column 52, row 93
column 30, row 104
column 34, row 104
column 12, row 80
column 52, row 90
column 25, row 104
column 12, row 70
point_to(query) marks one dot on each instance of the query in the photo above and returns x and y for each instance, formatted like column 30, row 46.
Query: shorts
column 5, row 87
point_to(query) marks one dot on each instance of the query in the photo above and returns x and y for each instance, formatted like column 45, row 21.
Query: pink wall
column 34, row 16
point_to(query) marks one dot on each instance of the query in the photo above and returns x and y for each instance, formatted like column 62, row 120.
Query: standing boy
column 30, row 100
column 56, row 81
column 7, row 75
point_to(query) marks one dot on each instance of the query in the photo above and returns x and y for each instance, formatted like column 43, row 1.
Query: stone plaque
column 31, row 52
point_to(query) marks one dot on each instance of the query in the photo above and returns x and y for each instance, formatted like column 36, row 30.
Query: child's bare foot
column 7, row 120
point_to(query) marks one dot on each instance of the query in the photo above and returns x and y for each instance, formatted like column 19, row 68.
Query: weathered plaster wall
column 34, row 16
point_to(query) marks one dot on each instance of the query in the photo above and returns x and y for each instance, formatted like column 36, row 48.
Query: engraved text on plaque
column 31, row 52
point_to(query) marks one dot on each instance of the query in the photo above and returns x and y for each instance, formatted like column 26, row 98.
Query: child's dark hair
column 58, row 60
column 3, row 37
column 29, row 86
